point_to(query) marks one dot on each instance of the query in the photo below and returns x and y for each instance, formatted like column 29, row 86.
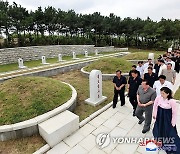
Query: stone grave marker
column 21, row 64
column 44, row 60
column 95, row 84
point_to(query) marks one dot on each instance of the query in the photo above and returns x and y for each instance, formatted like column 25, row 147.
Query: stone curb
column 29, row 127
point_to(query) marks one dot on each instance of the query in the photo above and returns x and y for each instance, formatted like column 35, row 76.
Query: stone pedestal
column 21, row 64
column 97, row 53
column 55, row 129
column 151, row 56
column 86, row 54
column 74, row 56
column 44, row 60
column 169, row 49
column 95, row 81
column 60, row 58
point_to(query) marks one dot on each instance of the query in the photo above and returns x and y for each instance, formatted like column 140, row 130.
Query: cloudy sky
column 155, row 9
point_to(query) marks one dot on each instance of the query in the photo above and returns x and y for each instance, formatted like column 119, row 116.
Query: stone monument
column 95, row 81
column 151, row 56
column 44, row 60
column 21, row 64
column 86, row 54
column 60, row 58
column 74, row 56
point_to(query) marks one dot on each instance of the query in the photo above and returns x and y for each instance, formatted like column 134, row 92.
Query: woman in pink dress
column 165, row 114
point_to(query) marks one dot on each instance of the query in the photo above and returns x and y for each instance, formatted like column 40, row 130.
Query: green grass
column 141, row 55
column 33, row 63
column 81, row 84
column 177, row 94
column 109, row 65
column 36, row 63
column 27, row 97
column 27, row 145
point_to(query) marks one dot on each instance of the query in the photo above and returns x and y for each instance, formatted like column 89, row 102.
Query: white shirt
column 157, row 86
column 145, row 65
column 140, row 69
column 161, row 68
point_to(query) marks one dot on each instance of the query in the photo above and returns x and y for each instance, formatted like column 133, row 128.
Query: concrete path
column 117, row 122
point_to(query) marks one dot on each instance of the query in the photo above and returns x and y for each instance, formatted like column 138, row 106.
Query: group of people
column 149, row 88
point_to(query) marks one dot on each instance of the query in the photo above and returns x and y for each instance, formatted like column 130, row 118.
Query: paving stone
column 111, row 123
column 86, row 129
column 77, row 150
column 96, row 150
column 89, row 142
column 74, row 139
column 96, row 122
column 101, row 129
column 127, row 124
column 127, row 148
column 59, row 148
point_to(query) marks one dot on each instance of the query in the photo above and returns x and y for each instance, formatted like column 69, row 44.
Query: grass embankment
column 142, row 54
column 26, row 145
column 109, row 65
column 27, row 97
column 81, row 84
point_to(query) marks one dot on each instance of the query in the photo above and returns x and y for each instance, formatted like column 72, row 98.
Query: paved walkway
column 117, row 122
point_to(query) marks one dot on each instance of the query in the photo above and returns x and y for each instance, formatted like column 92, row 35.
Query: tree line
column 50, row 26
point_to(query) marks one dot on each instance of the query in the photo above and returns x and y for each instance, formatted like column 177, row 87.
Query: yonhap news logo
column 150, row 144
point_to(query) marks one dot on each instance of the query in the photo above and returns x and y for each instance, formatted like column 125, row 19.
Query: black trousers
column 122, row 97
column 133, row 101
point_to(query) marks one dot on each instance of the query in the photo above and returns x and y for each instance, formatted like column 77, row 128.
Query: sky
column 155, row 9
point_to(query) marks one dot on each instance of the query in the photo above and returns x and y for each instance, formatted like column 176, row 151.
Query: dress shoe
column 145, row 130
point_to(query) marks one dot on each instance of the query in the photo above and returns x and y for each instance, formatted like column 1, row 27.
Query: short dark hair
column 150, row 68
column 134, row 66
column 169, row 64
column 118, row 71
column 145, row 80
column 134, row 71
column 162, row 61
column 140, row 62
column 167, row 91
column 151, row 65
column 162, row 77
column 149, row 59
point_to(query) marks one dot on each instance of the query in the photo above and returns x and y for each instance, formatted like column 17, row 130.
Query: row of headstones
column 21, row 63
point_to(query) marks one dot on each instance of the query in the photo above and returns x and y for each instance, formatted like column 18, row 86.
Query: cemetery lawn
column 110, row 65
column 36, row 63
column 177, row 94
column 24, row 98
column 142, row 54
column 26, row 145
column 81, row 84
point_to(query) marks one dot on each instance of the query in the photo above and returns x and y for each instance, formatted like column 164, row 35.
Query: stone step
column 55, row 129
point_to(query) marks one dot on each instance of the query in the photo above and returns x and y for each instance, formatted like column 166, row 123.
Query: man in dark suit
column 119, row 88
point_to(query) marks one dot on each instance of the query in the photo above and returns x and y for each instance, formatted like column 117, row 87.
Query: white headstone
column 169, row 49
column 44, row 60
column 86, row 53
column 97, row 53
column 95, row 81
column 151, row 56
column 74, row 55
column 21, row 64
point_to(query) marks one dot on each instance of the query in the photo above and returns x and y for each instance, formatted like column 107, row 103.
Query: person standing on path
column 145, row 98
column 119, row 88
column 133, row 85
